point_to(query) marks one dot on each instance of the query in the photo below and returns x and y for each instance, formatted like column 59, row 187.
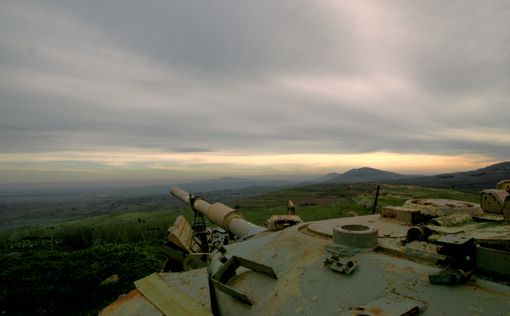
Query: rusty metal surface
column 192, row 283
column 401, row 214
column 306, row 287
column 133, row 303
column 168, row 299
column 393, row 276
column 385, row 228
column 493, row 200
column 453, row 219
column 279, row 222
column 485, row 231
column 421, row 250
column 389, row 305
column 503, row 185
column 442, row 207
column 180, row 234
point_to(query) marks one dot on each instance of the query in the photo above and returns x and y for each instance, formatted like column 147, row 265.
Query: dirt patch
column 312, row 201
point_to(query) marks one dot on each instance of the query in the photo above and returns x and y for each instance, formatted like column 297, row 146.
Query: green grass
column 58, row 268
column 113, row 228
column 347, row 198
column 44, row 282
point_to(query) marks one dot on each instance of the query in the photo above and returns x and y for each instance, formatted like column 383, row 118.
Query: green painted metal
column 493, row 261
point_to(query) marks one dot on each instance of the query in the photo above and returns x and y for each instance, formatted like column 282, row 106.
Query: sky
column 171, row 90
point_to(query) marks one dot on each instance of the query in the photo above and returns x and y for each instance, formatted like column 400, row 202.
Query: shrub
column 76, row 238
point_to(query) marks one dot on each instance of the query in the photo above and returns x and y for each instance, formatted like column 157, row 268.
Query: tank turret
column 427, row 257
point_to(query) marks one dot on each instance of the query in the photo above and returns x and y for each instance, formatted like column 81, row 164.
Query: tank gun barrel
column 219, row 214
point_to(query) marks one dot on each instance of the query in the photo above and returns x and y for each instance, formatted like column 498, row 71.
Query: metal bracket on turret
column 228, row 271
column 342, row 265
column 460, row 260
column 199, row 227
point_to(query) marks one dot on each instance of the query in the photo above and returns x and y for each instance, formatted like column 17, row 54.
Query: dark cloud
column 271, row 76
column 226, row 38
column 462, row 47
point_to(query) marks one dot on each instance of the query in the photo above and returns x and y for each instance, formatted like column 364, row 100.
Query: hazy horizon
column 262, row 178
column 124, row 91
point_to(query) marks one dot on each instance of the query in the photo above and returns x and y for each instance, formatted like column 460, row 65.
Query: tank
column 426, row 257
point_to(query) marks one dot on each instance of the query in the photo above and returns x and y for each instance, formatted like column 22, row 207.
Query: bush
column 76, row 238
column 69, row 283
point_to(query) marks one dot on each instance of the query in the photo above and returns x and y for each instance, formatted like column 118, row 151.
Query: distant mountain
column 327, row 177
column 230, row 183
column 364, row 174
column 484, row 178
column 230, row 179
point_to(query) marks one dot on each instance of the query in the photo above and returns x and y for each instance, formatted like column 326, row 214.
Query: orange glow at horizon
column 243, row 162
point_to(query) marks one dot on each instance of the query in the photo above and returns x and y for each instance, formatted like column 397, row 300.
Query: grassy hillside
column 23, row 211
column 323, row 201
column 59, row 267
column 469, row 181
column 365, row 174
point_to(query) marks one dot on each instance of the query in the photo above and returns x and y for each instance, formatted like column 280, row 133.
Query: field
column 62, row 267
column 323, row 201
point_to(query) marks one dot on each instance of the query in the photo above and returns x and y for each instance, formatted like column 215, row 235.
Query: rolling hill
column 471, row 181
column 364, row 174
column 475, row 180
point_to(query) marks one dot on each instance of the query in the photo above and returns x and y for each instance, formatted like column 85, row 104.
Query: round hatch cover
column 355, row 235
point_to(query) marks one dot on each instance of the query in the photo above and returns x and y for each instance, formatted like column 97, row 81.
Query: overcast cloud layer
column 255, row 77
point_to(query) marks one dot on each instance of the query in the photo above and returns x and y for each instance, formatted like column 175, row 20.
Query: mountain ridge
column 473, row 180
column 364, row 174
